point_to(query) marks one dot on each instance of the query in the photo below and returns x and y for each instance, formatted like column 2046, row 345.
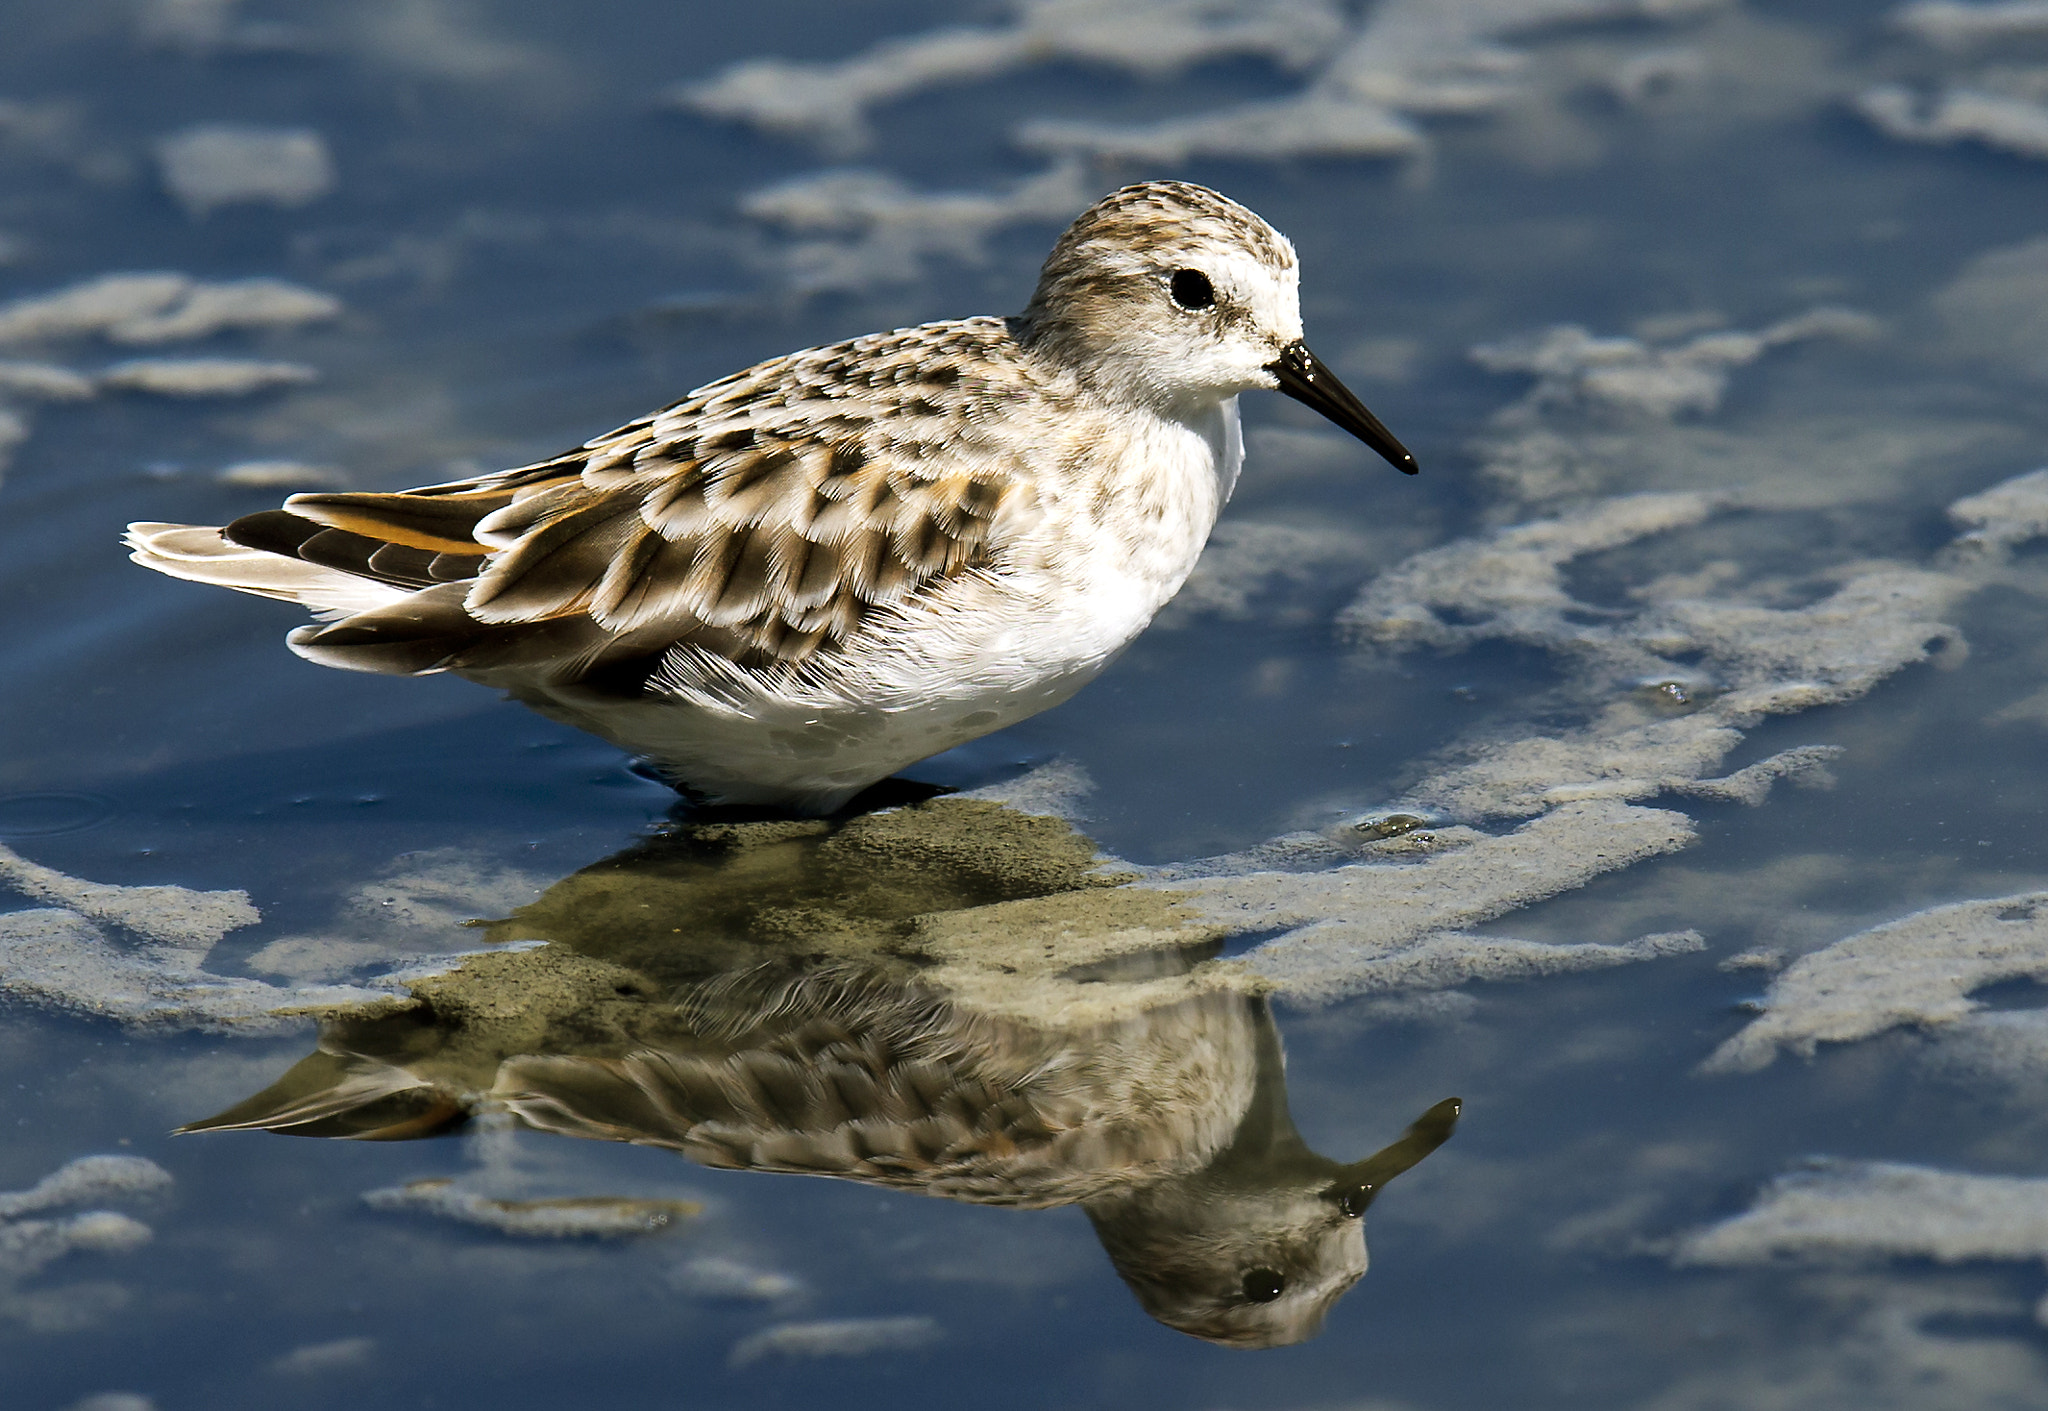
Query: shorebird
column 805, row 576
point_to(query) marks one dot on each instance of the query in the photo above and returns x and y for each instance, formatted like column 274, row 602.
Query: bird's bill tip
column 1304, row 377
column 1360, row 1183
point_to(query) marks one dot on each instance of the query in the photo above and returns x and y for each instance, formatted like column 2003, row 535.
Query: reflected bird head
column 1256, row 1249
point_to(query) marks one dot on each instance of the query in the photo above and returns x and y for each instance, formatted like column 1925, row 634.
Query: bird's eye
column 1264, row 1285
column 1191, row 289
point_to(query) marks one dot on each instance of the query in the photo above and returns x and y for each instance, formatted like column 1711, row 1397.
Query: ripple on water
column 39, row 814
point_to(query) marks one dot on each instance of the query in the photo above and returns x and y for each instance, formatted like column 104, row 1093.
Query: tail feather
column 431, row 630
column 401, row 565
column 366, row 625
column 348, row 1095
column 390, row 605
column 412, row 636
column 443, row 523
column 202, row 554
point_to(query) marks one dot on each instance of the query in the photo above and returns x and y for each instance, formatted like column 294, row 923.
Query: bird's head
column 1175, row 297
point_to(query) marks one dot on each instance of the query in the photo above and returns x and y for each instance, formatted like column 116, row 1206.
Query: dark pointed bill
column 1303, row 377
column 1360, row 1183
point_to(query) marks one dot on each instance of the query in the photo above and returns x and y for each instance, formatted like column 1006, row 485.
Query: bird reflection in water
column 950, row 998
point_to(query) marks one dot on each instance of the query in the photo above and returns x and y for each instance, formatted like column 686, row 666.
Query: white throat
column 1227, row 443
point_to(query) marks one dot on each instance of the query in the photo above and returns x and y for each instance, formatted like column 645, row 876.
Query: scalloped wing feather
column 765, row 517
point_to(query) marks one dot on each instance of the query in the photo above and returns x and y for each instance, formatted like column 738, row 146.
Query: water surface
column 535, row 226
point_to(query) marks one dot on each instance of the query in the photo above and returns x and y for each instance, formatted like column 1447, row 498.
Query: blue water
column 531, row 247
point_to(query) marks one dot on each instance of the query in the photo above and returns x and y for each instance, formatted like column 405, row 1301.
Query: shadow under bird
column 810, row 574
column 945, row 999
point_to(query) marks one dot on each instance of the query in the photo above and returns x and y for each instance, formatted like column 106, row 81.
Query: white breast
column 1101, row 553
column 1120, row 546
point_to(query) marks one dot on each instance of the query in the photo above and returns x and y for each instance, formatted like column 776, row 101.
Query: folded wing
column 766, row 519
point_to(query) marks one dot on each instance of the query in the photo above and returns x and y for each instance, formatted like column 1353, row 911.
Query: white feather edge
column 200, row 553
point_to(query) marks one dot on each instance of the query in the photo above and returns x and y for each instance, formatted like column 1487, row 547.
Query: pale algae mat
column 1661, row 774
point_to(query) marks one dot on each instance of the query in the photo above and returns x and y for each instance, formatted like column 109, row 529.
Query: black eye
column 1264, row 1285
column 1191, row 289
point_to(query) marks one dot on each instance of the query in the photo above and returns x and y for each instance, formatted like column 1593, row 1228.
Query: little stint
column 810, row 574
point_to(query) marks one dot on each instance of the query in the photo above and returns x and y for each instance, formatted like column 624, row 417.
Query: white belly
column 988, row 650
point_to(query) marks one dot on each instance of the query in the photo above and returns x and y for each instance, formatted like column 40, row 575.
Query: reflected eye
column 1264, row 1285
column 1191, row 289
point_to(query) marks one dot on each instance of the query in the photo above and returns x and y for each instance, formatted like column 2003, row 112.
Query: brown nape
column 402, row 565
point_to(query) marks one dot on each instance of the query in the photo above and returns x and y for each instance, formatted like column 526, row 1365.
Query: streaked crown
column 1162, row 217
